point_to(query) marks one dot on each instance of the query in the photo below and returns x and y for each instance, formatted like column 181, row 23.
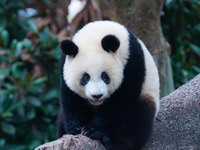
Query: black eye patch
column 85, row 79
column 105, row 77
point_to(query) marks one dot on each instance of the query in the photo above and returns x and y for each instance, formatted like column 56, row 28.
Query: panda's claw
column 87, row 131
column 75, row 131
column 92, row 133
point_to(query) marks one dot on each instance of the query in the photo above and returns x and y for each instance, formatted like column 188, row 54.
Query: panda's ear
column 69, row 48
column 110, row 43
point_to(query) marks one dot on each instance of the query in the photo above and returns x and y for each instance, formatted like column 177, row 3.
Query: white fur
column 91, row 58
column 151, row 84
column 96, row 87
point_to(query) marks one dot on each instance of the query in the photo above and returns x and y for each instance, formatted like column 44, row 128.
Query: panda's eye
column 85, row 79
column 105, row 77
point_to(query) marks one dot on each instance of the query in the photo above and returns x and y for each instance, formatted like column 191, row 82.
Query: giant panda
column 109, row 86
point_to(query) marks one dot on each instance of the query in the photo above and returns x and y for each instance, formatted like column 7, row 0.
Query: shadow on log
column 177, row 125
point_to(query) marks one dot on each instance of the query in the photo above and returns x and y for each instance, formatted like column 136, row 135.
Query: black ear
column 110, row 43
column 69, row 48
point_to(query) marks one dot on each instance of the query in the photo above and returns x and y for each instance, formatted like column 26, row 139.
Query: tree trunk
column 142, row 17
column 176, row 127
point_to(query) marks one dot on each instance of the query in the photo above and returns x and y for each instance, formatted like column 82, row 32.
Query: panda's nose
column 97, row 96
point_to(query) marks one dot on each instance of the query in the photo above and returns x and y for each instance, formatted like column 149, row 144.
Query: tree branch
column 177, row 125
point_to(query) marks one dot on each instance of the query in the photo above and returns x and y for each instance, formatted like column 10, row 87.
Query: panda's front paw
column 106, row 141
column 74, row 131
column 87, row 130
column 92, row 133
column 97, row 135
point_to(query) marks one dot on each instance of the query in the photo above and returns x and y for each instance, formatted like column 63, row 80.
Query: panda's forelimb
column 97, row 134
column 66, row 124
column 60, row 126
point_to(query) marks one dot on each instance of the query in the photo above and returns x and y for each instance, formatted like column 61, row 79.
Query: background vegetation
column 181, row 27
column 29, row 80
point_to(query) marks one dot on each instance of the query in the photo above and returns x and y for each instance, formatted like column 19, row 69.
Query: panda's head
column 95, row 60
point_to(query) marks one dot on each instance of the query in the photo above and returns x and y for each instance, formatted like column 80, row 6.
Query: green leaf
column 195, row 30
column 195, row 48
column 21, row 111
column 4, row 72
column 2, row 142
column 10, row 86
column 4, row 92
column 15, row 69
column 50, row 95
column 3, row 21
column 5, row 37
column 33, row 101
column 17, row 119
column 16, row 105
column 1, row 29
column 6, row 103
column 32, row 89
column 54, row 41
column 18, row 50
column 3, row 3
column 32, row 25
column 169, row 3
column 27, row 43
column 3, row 59
column 47, row 120
column 56, row 54
column 31, row 114
column 195, row 68
column 8, row 128
column 52, row 109
column 15, row 147
column 13, row 44
column 45, row 37
column 35, row 143
column 39, row 80
column 6, row 114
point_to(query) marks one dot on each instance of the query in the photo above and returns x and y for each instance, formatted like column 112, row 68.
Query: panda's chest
column 109, row 118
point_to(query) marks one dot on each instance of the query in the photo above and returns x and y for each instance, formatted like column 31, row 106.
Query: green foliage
column 28, row 81
column 10, row 20
column 181, row 26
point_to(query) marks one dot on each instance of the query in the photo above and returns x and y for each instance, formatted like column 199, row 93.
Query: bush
column 181, row 26
column 28, row 80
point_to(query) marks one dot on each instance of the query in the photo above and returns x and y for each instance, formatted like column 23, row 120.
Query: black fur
column 85, row 79
column 105, row 77
column 69, row 48
column 124, row 121
column 110, row 43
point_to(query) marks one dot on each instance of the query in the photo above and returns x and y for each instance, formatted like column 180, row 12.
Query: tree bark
column 142, row 17
column 177, row 125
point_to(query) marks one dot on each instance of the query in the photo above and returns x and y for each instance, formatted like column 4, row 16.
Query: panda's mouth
column 96, row 101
